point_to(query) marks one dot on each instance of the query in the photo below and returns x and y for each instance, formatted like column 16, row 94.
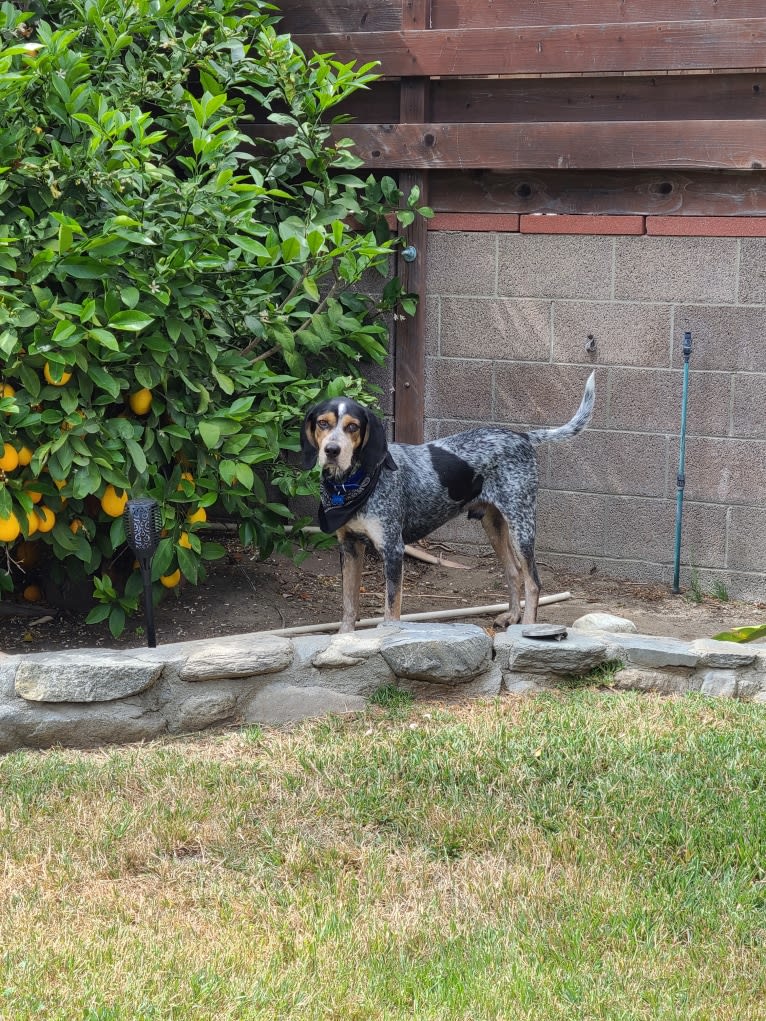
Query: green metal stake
column 681, row 477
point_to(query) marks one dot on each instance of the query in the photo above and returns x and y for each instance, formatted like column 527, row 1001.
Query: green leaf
column 210, row 433
column 133, row 321
column 742, row 634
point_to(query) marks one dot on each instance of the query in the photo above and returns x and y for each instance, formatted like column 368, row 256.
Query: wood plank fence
column 549, row 106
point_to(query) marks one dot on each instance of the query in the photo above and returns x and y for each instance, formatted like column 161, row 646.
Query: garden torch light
column 142, row 528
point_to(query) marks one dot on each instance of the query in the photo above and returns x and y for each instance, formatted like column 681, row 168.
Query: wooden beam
column 692, row 144
column 470, row 14
column 617, row 192
column 545, row 49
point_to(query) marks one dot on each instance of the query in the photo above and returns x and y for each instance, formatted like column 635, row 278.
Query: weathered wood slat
column 340, row 16
column 673, row 192
column 567, row 49
column 735, row 144
column 494, row 13
column 652, row 97
column 738, row 95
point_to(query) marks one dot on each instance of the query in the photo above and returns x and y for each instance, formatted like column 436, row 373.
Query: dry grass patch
column 576, row 855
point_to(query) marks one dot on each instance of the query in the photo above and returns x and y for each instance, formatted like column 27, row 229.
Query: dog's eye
column 352, row 427
column 324, row 426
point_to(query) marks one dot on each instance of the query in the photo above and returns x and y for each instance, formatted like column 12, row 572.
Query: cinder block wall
column 510, row 316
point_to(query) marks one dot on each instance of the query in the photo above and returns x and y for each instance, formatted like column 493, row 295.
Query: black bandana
column 342, row 500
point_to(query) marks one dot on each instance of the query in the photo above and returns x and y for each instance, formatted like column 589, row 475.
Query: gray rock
column 576, row 654
column 726, row 655
column 203, row 710
column 442, row 653
column 666, row 682
column 650, row 651
column 239, row 656
column 278, row 703
column 8, row 665
column 349, row 649
column 86, row 726
column 486, row 685
column 521, row 684
column 604, row 622
column 750, row 683
column 86, row 675
column 719, row 683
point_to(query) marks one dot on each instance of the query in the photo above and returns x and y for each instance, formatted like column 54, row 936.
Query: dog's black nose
column 331, row 450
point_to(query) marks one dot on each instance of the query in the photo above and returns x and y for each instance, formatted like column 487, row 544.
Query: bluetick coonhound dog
column 388, row 495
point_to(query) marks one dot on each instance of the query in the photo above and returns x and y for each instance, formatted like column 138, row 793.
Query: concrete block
column 495, row 328
column 723, row 338
column 571, row 522
column 625, row 333
column 644, row 571
column 625, row 464
column 458, row 389
column 545, row 395
column 278, row 703
column 532, row 266
column 747, row 539
column 461, row 263
column 675, row 269
column 649, row 400
column 748, row 413
column 752, row 269
column 725, row 471
column 433, row 324
column 640, row 528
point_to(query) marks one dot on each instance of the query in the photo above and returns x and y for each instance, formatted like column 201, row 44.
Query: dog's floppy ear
column 309, row 448
column 374, row 447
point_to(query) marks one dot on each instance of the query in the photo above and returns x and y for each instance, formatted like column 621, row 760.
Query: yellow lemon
column 7, row 391
column 10, row 458
column 184, row 540
column 34, row 496
column 141, row 401
column 188, row 477
column 32, row 593
column 65, row 376
column 171, row 580
column 33, row 523
column 25, row 456
column 46, row 518
column 75, row 526
column 199, row 515
column 10, row 529
column 112, row 503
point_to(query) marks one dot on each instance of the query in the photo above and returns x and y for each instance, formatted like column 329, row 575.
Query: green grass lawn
column 576, row 855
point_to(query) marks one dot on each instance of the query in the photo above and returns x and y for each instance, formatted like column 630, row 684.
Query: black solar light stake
column 142, row 528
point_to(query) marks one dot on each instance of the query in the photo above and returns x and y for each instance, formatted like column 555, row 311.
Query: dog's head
column 343, row 435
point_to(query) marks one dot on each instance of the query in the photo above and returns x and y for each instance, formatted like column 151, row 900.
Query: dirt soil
column 243, row 594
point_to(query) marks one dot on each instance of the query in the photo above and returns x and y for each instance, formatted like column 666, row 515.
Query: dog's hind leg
column 496, row 528
column 523, row 542
column 393, row 563
column 351, row 564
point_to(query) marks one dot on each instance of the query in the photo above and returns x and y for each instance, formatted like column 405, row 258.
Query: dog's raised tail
column 575, row 425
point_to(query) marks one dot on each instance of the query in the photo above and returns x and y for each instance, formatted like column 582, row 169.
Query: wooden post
column 410, row 332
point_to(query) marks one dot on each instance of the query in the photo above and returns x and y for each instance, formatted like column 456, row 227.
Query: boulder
column 604, row 622
column 277, row 703
column 440, row 653
column 86, row 675
column 239, row 656
column 578, row 653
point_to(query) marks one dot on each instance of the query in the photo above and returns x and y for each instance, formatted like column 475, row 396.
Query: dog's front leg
column 351, row 563
column 393, row 562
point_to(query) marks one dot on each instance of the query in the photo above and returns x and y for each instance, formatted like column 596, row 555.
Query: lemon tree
column 173, row 292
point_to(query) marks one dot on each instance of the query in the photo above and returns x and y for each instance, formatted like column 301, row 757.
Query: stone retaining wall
column 90, row 697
